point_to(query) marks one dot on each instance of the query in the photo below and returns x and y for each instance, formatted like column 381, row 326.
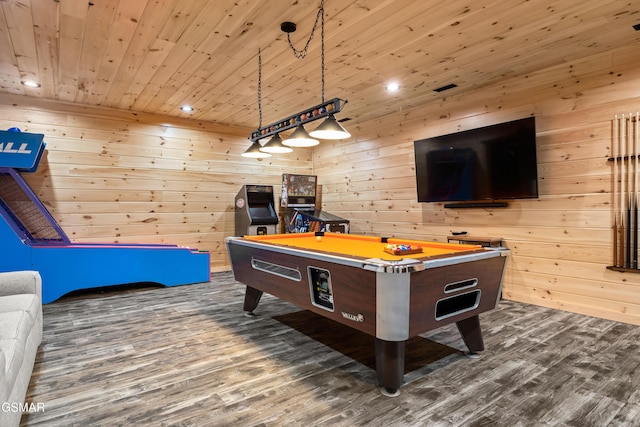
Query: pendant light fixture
column 329, row 129
column 297, row 121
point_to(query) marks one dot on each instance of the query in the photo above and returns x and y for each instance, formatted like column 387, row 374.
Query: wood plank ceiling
column 156, row 55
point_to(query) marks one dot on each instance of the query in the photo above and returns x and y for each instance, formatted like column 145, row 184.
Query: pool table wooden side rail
column 445, row 284
column 347, row 295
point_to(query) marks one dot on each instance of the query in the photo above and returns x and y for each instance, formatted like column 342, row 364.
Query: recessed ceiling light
column 392, row 87
column 30, row 83
column 187, row 108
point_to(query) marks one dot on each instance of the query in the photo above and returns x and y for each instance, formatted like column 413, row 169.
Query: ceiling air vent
column 447, row 87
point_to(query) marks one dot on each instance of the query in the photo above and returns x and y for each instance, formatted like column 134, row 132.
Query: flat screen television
column 491, row 163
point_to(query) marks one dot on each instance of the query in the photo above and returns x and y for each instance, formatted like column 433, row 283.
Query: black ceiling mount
column 288, row 27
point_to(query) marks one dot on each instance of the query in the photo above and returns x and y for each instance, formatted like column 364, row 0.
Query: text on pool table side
column 355, row 317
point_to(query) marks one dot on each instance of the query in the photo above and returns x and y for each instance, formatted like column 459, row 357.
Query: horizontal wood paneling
column 113, row 176
column 561, row 242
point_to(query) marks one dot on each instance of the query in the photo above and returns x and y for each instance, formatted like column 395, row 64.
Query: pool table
column 362, row 282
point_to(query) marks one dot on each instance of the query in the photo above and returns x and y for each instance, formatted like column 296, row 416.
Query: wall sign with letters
column 21, row 150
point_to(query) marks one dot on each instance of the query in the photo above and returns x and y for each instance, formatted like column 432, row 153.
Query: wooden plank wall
column 114, row 176
column 561, row 242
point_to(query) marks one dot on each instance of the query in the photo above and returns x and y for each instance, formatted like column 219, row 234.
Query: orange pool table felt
column 363, row 246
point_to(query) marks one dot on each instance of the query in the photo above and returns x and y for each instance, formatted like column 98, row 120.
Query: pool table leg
column 389, row 366
column 471, row 333
column 251, row 299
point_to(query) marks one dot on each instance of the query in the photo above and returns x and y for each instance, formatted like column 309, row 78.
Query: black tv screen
column 495, row 162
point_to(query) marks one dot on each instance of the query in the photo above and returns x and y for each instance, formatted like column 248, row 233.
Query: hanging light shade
column 254, row 152
column 330, row 129
column 275, row 146
column 300, row 138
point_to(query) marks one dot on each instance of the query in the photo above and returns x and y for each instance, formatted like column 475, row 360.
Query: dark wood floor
column 187, row 356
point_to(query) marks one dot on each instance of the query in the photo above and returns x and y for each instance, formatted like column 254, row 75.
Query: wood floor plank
column 187, row 356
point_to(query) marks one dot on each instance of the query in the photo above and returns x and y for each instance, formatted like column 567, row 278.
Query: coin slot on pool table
column 457, row 304
column 278, row 270
column 320, row 287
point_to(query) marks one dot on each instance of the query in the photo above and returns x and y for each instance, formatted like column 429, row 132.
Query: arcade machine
column 31, row 239
column 255, row 211
column 301, row 215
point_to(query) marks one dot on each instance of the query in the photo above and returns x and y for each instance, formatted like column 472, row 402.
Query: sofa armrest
column 20, row 282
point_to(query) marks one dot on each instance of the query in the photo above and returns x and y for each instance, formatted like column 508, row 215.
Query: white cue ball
column 318, row 238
